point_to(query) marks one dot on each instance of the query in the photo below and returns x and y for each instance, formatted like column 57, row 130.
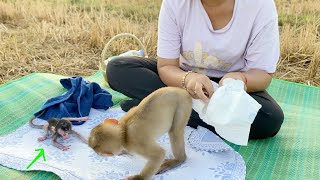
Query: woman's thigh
column 135, row 77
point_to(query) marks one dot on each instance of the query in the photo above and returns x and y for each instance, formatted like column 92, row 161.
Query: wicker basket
column 106, row 55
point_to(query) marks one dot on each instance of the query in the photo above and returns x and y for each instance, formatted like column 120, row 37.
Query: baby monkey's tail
column 34, row 125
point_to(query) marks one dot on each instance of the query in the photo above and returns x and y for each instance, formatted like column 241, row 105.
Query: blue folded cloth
column 77, row 101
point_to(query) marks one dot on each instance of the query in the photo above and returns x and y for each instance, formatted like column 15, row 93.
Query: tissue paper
column 231, row 111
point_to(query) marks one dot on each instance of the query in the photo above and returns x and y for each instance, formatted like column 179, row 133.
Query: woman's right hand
column 199, row 86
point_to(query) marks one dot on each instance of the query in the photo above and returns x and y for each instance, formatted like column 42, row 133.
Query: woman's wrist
column 257, row 80
column 238, row 76
column 244, row 78
column 183, row 80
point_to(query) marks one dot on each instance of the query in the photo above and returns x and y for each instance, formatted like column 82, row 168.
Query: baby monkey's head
column 106, row 139
column 64, row 128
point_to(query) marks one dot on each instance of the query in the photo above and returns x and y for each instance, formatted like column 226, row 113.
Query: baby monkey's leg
column 45, row 128
column 178, row 150
column 176, row 135
column 155, row 156
column 58, row 145
column 76, row 119
column 84, row 140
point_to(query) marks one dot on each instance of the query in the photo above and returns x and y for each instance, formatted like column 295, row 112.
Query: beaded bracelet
column 183, row 81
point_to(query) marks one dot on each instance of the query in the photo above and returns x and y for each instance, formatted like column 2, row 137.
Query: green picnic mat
column 292, row 154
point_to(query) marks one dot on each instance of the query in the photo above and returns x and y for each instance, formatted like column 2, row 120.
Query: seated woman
column 203, row 40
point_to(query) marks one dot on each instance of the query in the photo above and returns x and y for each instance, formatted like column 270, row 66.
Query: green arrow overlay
column 41, row 153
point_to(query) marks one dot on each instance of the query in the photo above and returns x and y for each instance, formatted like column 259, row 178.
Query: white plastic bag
column 231, row 111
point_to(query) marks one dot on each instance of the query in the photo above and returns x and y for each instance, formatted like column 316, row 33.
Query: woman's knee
column 267, row 123
column 115, row 70
column 115, row 65
column 276, row 123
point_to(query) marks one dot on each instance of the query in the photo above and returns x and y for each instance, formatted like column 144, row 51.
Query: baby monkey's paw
column 65, row 148
column 136, row 177
column 42, row 138
column 168, row 164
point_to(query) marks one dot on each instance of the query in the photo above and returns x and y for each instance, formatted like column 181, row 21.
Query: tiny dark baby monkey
column 58, row 128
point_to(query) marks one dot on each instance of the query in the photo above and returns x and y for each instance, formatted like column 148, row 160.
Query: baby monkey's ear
column 92, row 142
column 53, row 129
column 95, row 136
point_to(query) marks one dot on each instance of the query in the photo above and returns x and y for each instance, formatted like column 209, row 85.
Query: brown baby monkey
column 165, row 110
column 58, row 128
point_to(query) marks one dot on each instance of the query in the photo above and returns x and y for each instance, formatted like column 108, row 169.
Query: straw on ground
column 67, row 36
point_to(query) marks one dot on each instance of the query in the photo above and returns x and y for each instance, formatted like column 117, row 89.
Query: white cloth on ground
column 208, row 157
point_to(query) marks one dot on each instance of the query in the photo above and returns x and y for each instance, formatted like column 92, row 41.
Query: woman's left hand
column 235, row 75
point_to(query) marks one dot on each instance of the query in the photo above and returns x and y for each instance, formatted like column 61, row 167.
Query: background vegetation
column 67, row 36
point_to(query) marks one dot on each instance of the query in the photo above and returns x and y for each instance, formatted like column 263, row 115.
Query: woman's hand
column 199, row 86
column 255, row 80
column 235, row 75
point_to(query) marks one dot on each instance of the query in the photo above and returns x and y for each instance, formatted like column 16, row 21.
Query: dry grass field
column 67, row 36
